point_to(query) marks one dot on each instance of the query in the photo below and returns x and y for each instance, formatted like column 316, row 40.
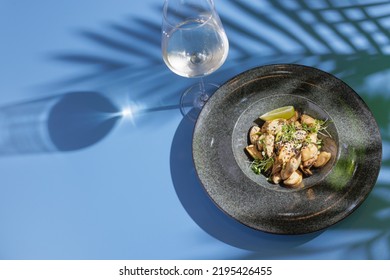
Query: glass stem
column 201, row 86
column 203, row 96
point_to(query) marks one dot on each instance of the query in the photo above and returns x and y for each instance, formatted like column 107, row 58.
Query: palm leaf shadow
column 133, row 45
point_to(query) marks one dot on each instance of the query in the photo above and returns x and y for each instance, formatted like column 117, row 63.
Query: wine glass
column 194, row 44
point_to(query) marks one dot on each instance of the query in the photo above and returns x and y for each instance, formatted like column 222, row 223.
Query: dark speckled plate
column 330, row 195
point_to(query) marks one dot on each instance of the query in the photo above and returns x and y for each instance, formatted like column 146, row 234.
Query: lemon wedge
column 285, row 112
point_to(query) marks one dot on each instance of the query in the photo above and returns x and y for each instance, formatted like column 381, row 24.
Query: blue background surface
column 79, row 181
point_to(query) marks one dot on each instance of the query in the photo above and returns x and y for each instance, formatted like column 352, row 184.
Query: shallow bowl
column 331, row 194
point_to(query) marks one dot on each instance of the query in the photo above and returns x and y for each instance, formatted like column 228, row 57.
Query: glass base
column 194, row 98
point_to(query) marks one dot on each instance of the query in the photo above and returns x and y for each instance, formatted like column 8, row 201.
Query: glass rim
column 168, row 22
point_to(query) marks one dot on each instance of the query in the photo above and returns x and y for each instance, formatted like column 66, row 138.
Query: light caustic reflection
column 129, row 111
column 126, row 112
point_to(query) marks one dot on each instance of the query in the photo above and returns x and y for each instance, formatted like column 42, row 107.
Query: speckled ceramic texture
column 329, row 196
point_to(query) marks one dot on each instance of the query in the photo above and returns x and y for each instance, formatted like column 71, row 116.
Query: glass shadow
column 68, row 122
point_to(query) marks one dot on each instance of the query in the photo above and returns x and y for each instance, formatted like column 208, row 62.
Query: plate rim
column 291, row 66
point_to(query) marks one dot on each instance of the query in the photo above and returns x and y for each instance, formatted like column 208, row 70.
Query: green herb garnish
column 262, row 165
column 287, row 134
column 318, row 126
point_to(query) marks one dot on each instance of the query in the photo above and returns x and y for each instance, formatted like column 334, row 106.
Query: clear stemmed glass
column 194, row 44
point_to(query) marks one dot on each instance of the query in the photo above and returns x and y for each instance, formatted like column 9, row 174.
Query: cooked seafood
column 286, row 150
